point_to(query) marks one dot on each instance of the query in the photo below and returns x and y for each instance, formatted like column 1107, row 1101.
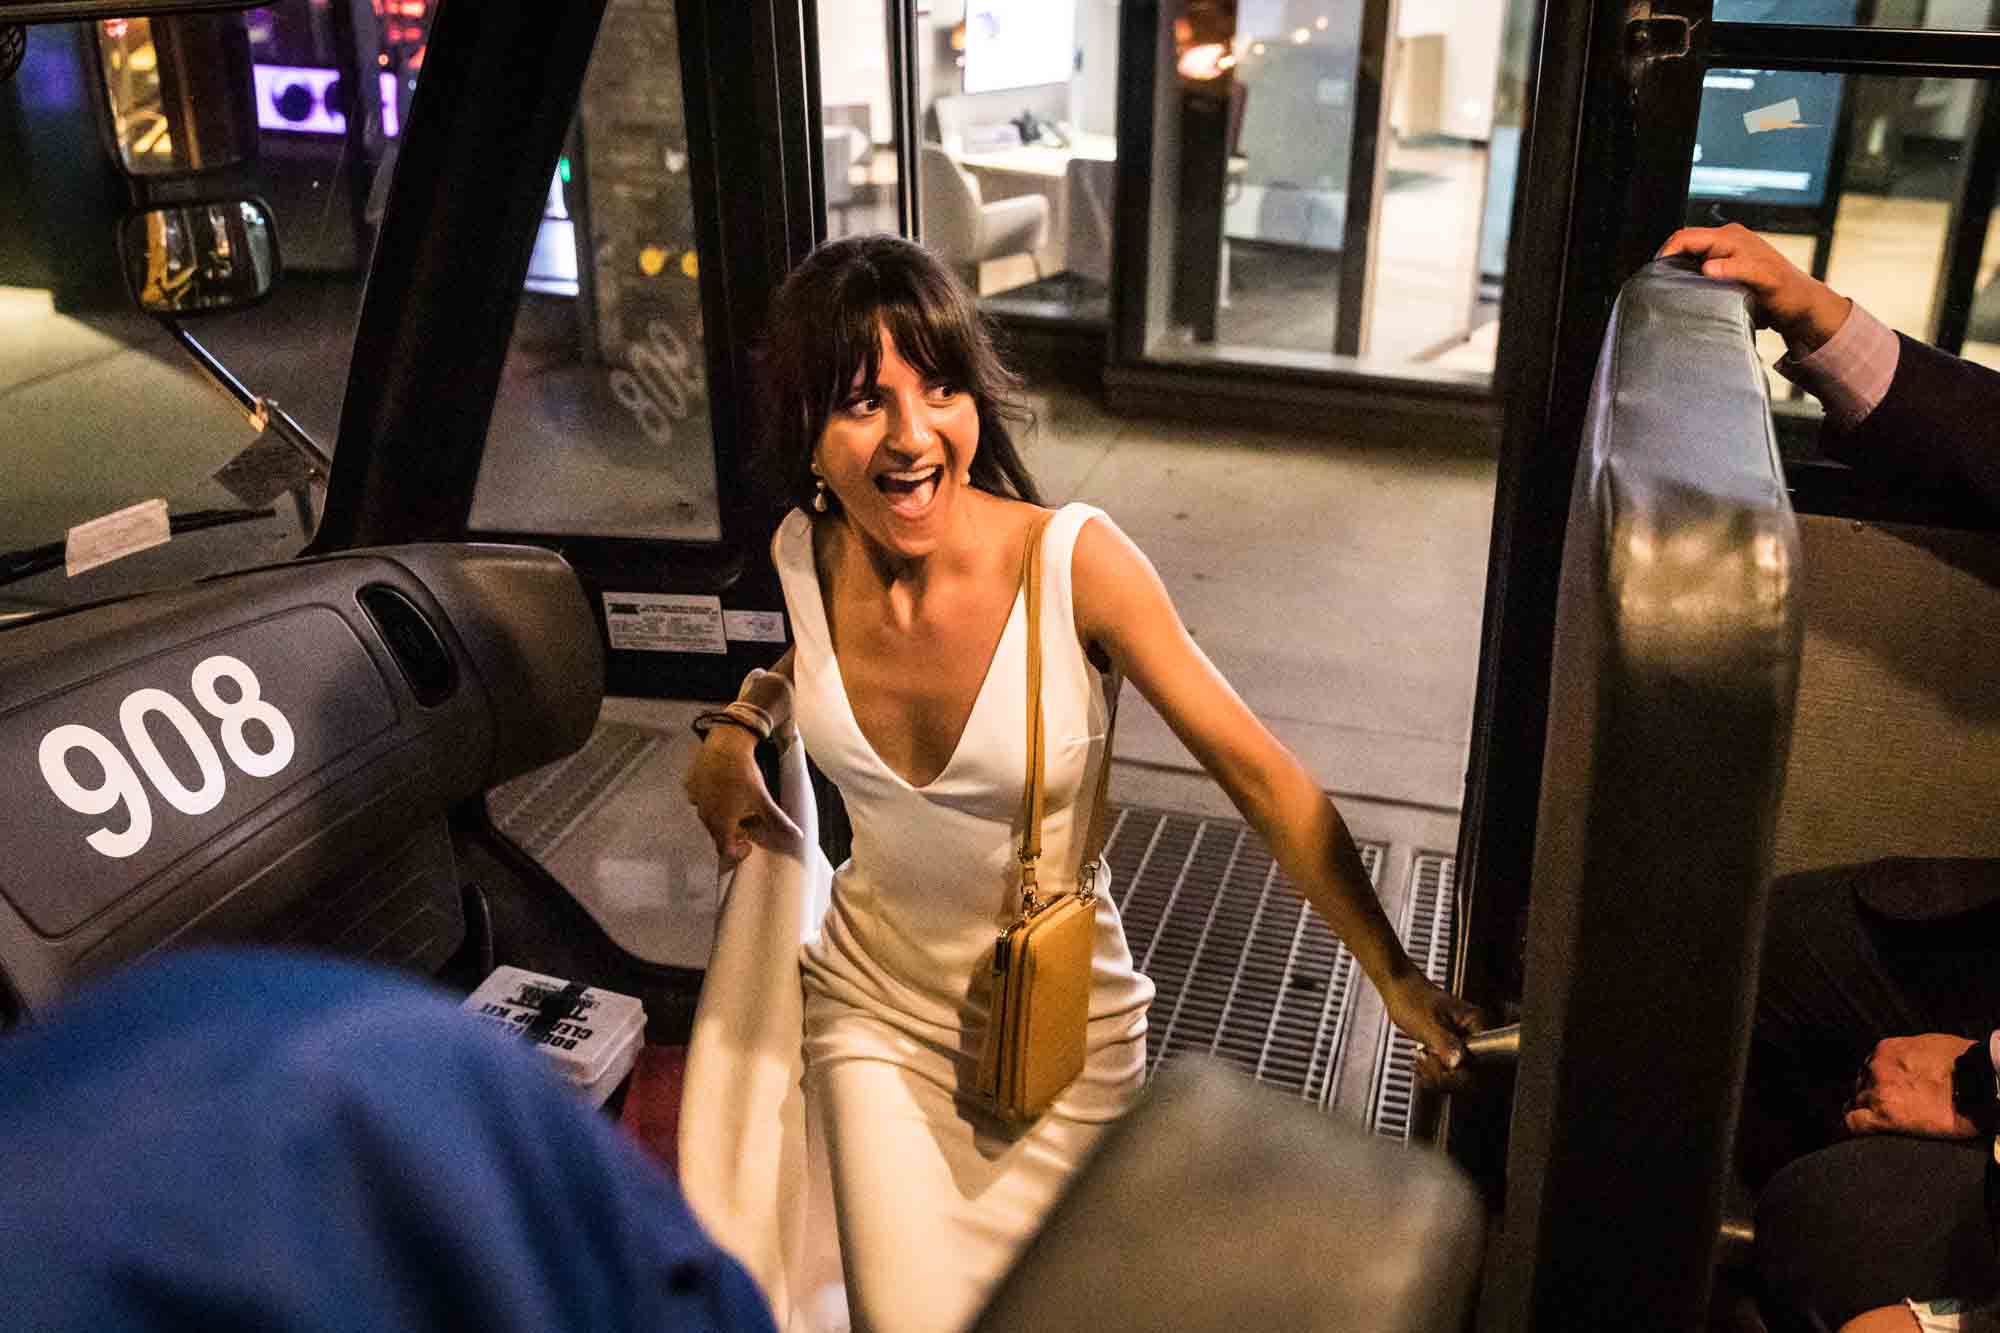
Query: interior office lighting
column 1207, row 61
column 1302, row 36
column 1320, row 23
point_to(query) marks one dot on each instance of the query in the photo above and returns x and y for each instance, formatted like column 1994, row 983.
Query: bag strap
column 1033, row 794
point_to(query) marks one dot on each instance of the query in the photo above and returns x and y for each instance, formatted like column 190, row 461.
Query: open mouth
column 909, row 492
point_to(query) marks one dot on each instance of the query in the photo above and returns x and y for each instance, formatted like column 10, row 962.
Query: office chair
column 1089, row 183
column 966, row 231
column 843, row 149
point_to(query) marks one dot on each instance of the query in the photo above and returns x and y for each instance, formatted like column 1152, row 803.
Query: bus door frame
column 1598, row 195
column 488, row 121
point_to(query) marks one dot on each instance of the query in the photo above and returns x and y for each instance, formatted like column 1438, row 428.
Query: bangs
column 928, row 328
column 824, row 338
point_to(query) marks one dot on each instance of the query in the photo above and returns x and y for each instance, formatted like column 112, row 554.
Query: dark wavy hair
column 823, row 335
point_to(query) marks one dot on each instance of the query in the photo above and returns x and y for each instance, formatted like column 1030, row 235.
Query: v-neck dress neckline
column 1011, row 643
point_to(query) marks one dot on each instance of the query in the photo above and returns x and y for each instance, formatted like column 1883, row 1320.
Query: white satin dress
column 933, row 1196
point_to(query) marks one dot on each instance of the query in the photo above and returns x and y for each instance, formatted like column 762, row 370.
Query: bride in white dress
column 889, row 417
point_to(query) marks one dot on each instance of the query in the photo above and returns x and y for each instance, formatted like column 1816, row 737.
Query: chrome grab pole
column 1494, row 1046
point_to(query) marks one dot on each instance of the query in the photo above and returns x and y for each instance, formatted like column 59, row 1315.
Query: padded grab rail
column 1670, row 712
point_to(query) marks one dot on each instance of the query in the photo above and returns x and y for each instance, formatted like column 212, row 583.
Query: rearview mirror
column 180, row 93
column 186, row 259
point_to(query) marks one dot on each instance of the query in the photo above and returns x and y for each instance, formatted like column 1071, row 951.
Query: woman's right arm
column 1122, row 606
column 724, row 784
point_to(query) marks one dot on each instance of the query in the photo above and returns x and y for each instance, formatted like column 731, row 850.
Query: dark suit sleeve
column 1939, row 424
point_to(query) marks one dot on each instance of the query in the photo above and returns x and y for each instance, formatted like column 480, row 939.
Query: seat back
column 1896, row 751
column 1220, row 1205
column 950, row 206
column 1670, row 710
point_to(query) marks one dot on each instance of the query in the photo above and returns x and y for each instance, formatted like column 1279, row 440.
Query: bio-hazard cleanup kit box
column 592, row 1035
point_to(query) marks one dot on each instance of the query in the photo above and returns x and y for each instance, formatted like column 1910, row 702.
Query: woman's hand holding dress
column 728, row 792
column 724, row 783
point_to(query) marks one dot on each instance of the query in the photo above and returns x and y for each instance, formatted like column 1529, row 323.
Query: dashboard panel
column 282, row 745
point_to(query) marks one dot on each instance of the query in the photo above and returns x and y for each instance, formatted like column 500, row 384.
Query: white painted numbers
column 122, row 783
column 249, row 706
column 663, row 378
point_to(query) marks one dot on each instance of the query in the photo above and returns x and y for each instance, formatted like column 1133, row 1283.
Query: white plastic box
column 594, row 1048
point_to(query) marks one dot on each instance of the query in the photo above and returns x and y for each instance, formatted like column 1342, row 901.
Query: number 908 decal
column 123, row 783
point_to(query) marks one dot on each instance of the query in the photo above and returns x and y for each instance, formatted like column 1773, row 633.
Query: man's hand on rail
column 1799, row 306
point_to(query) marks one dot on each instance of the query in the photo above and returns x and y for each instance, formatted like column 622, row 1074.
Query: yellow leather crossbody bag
column 1042, row 961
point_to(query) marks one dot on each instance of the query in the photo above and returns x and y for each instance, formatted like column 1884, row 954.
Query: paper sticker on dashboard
column 115, row 536
column 654, row 622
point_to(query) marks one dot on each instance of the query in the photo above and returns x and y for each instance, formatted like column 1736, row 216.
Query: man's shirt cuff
column 1850, row 372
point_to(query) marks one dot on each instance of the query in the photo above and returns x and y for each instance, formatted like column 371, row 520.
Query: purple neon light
column 306, row 88
column 385, row 82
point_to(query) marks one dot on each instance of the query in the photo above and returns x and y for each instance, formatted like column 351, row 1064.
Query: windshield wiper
column 29, row 561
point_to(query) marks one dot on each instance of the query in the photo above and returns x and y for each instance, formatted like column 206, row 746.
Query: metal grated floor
column 1428, row 919
column 539, row 809
column 1245, row 969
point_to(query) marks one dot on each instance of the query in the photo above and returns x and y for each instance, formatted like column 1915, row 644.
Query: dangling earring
column 819, row 494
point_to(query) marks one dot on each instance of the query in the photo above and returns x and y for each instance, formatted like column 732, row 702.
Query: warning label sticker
column 656, row 622
column 755, row 626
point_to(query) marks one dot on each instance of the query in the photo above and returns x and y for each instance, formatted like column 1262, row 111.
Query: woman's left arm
column 1122, row 606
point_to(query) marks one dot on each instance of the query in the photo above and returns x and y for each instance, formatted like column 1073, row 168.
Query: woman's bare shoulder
column 1115, row 589
column 1104, row 551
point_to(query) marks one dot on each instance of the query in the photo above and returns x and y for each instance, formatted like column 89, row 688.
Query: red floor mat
column 652, row 1110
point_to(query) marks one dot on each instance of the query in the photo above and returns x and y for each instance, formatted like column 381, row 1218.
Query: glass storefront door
column 1018, row 102
column 1328, row 176
column 861, row 122
column 602, row 425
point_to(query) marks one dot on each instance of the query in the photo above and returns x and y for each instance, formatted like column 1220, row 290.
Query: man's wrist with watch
column 1975, row 1090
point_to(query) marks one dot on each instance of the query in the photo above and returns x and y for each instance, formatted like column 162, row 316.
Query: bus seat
column 1220, row 1205
column 1897, row 739
column 1670, row 708
column 273, row 755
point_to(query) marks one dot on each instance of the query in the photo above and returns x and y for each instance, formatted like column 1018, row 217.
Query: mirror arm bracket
column 263, row 413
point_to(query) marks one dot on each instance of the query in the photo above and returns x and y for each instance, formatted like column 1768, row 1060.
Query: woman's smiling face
column 897, row 452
